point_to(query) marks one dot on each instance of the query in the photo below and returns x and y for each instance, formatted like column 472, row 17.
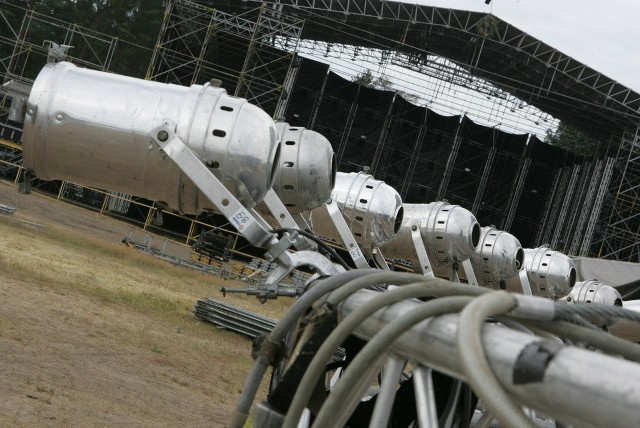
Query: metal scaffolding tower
column 483, row 52
column 621, row 238
column 33, row 37
column 252, row 53
column 28, row 41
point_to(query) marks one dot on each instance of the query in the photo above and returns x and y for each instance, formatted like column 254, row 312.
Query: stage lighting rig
column 304, row 179
column 550, row 273
column 362, row 213
column 194, row 149
column 498, row 258
column 436, row 238
column 306, row 172
column 595, row 292
column 94, row 129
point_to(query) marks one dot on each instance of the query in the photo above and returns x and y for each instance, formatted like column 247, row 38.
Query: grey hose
column 604, row 311
column 474, row 363
column 519, row 325
column 426, row 287
column 328, row 416
column 252, row 382
column 379, row 278
column 597, row 338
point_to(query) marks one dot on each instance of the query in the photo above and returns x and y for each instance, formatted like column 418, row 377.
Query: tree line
column 135, row 23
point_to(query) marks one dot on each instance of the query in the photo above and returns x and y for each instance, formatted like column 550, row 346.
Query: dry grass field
column 95, row 333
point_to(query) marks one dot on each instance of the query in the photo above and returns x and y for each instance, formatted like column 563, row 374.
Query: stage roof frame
column 483, row 44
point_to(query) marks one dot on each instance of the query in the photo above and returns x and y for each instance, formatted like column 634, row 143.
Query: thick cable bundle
column 536, row 327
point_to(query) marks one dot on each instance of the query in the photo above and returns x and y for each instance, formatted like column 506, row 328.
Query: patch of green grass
column 30, row 266
column 46, row 389
column 142, row 302
column 180, row 382
column 156, row 349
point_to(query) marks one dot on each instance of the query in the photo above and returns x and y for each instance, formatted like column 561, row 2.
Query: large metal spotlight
column 598, row 293
column 498, row 258
column 449, row 233
column 92, row 128
column 307, row 170
column 372, row 210
column 551, row 274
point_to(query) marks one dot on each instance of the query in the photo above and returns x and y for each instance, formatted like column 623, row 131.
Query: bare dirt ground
column 93, row 333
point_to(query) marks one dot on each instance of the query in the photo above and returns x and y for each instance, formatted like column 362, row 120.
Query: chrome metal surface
column 372, row 209
column 450, row 234
column 244, row 219
column 551, row 274
column 391, row 375
column 312, row 259
column 499, row 257
column 425, row 397
column 278, row 214
column 233, row 318
column 469, row 272
column 598, row 293
column 563, row 390
column 344, row 232
column 92, row 128
column 307, row 169
column 421, row 261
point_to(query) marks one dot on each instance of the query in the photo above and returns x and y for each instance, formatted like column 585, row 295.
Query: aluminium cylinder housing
column 371, row 208
column 551, row 273
column 92, row 128
column 449, row 233
column 307, row 170
column 499, row 257
column 595, row 292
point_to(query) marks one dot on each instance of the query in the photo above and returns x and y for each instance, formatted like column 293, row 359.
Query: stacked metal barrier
column 229, row 317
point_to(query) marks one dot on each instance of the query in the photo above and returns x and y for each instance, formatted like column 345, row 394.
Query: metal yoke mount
column 246, row 221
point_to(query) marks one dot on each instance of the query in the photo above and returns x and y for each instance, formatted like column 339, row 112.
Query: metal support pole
column 384, row 402
column 514, row 200
column 484, row 179
column 383, row 136
column 318, row 101
column 597, row 206
column 420, row 262
column 287, row 87
column 417, row 147
column 457, row 140
column 345, row 235
column 559, row 223
column 425, row 397
column 469, row 273
column 552, row 206
column 63, row 186
column 578, row 206
column 586, row 206
column 347, row 130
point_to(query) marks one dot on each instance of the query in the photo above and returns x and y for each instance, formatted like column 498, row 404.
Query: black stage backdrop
column 413, row 149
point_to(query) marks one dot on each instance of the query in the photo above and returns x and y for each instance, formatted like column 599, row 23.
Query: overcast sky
column 603, row 34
